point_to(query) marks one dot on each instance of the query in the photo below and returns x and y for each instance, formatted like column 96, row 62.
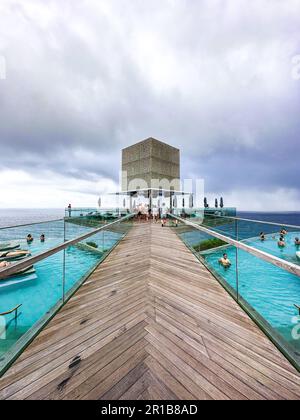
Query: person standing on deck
column 70, row 210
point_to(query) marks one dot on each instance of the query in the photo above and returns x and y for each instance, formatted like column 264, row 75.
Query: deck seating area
column 151, row 323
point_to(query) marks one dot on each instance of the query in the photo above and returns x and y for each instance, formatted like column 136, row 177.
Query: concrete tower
column 154, row 163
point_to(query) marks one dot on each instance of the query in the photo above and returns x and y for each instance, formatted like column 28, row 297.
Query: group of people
column 282, row 236
column 30, row 238
column 147, row 214
column 225, row 261
column 163, row 221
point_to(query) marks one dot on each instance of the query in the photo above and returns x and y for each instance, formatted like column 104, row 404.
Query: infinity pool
column 271, row 291
column 41, row 293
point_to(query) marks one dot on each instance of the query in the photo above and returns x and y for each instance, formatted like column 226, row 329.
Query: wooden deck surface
column 151, row 323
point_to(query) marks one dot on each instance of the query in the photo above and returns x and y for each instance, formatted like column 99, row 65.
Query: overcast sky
column 85, row 78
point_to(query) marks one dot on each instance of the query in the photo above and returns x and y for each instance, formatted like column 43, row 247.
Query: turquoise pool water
column 42, row 293
column 270, row 246
column 248, row 236
column 271, row 291
column 52, row 230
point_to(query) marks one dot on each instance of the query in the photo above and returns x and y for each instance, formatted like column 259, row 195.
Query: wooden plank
column 191, row 348
column 158, row 390
column 124, row 386
column 140, row 385
column 163, row 374
column 186, row 369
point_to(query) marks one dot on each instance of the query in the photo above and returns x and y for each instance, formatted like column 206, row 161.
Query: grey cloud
column 211, row 77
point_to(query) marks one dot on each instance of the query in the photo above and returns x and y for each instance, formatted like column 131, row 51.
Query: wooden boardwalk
column 151, row 323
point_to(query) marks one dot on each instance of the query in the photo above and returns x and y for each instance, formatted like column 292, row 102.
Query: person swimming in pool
column 43, row 238
column 297, row 241
column 29, row 239
column 262, row 236
column 4, row 264
column 225, row 261
column 283, row 232
column 281, row 242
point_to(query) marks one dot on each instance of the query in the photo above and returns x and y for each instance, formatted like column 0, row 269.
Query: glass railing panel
column 217, row 255
column 38, row 289
column 190, row 213
column 75, row 228
column 214, row 260
column 44, row 236
column 94, row 214
column 270, row 294
column 267, row 292
column 41, row 289
column 92, row 218
column 83, row 257
column 222, row 225
column 270, row 239
column 80, row 212
column 279, row 240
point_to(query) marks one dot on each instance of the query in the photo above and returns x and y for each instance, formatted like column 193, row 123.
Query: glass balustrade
column 31, row 296
column 269, row 293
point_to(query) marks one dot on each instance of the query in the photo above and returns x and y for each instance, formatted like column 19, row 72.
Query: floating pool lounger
column 8, row 247
column 26, row 272
column 23, row 273
column 14, row 259
column 14, row 281
column 4, row 256
column 22, row 276
column 9, row 253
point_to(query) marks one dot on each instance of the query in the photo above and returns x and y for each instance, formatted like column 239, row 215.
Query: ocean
column 13, row 217
column 283, row 218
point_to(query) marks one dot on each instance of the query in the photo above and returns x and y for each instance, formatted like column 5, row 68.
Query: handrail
column 11, row 311
column 28, row 262
column 278, row 262
column 31, row 224
column 253, row 221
